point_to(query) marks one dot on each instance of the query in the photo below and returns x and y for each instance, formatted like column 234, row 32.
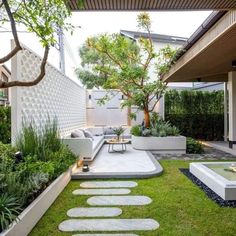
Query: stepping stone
column 94, row 212
column 119, row 191
column 108, row 184
column 108, row 225
column 104, row 235
column 118, row 200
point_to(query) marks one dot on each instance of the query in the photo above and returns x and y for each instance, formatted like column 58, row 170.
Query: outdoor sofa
column 87, row 147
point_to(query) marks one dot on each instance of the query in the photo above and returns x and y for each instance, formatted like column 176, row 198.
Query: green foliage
column 197, row 114
column 41, row 17
column 9, row 208
column 161, row 128
column 119, row 131
column 136, row 130
column 5, row 124
column 194, row 147
column 44, row 159
column 166, row 57
column 39, row 142
column 158, row 128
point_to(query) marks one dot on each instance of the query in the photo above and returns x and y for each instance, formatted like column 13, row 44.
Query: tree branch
column 14, row 33
column 29, row 83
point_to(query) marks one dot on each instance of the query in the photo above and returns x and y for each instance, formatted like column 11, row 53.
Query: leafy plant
column 117, row 62
column 9, row 208
column 5, row 124
column 119, row 131
column 146, row 132
column 194, row 147
column 136, row 130
column 40, row 142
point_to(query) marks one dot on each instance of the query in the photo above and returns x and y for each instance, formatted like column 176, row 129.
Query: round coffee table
column 112, row 142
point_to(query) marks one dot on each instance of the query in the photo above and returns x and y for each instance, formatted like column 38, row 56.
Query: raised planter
column 33, row 213
column 169, row 144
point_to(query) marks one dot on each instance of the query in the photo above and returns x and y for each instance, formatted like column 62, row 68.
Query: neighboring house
column 204, row 86
column 5, row 75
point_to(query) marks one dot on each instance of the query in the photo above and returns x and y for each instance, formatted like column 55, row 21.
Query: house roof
column 147, row 5
column 155, row 37
column 209, row 58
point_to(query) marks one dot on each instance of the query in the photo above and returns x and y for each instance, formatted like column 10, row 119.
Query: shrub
column 136, row 130
column 9, row 208
column 5, row 124
column 194, row 147
column 159, row 128
column 39, row 142
column 44, row 159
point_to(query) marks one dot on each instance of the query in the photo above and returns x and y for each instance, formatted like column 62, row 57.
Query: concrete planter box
column 169, row 144
column 33, row 213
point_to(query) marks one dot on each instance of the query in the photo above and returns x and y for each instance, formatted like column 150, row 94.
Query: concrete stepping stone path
column 120, row 191
column 108, row 184
column 104, row 235
column 94, row 212
column 119, row 200
column 108, row 225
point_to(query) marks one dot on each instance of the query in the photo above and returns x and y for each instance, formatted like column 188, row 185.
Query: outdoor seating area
column 126, row 127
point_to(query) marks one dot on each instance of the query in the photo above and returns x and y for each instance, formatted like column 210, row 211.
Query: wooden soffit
column 210, row 58
column 149, row 5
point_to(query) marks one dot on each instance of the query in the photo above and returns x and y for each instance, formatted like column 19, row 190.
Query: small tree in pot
column 118, row 132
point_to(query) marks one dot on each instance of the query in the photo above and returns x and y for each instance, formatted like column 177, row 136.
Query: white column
column 225, row 112
column 232, row 107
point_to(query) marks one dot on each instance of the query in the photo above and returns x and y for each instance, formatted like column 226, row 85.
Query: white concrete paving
column 131, row 161
column 120, row 191
column 94, row 212
column 119, row 200
column 108, row 225
column 104, row 235
column 108, row 184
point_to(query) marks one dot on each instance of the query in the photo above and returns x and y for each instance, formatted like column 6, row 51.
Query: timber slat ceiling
column 138, row 5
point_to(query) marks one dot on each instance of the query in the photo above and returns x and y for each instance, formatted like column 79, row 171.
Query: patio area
column 130, row 164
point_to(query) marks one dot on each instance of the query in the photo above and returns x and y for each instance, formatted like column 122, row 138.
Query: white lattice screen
column 55, row 96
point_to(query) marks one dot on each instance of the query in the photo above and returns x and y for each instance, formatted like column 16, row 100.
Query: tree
column 42, row 17
column 120, row 63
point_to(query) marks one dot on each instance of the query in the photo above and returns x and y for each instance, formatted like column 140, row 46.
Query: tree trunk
column 146, row 118
column 128, row 116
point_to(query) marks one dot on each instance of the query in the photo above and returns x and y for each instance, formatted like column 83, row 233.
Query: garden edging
column 33, row 213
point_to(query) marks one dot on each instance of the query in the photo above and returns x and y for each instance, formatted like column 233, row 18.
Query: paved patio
column 132, row 163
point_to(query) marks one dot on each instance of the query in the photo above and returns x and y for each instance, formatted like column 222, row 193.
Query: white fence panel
column 55, row 96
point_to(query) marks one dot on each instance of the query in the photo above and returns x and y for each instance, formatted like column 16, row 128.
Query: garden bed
column 169, row 144
column 33, row 213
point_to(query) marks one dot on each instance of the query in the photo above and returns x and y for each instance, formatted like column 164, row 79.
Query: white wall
column 55, row 96
column 111, row 114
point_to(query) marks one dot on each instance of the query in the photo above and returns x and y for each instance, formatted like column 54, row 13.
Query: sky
column 93, row 23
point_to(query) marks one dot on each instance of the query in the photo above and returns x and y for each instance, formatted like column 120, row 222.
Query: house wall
column 55, row 96
column 5, row 94
column 111, row 113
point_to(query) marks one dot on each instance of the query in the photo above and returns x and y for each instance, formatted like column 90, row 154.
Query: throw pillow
column 77, row 134
column 88, row 134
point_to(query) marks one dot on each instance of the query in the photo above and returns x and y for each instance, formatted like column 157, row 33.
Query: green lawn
column 178, row 205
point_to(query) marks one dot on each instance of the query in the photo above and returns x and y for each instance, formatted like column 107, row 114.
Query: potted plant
column 118, row 132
